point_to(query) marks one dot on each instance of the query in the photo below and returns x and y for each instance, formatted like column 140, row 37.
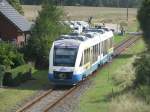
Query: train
column 73, row 57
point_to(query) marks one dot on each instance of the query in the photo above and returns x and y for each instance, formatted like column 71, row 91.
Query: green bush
column 22, row 78
column 8, row 80
column 125, row 76
column 142, row 69
column 9, row 56
column 2, row 71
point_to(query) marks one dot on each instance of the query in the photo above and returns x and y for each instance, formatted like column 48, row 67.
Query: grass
column 11, row 98
column 83, row 13
column 118, row 39
column 128, row 103
column 98, row 98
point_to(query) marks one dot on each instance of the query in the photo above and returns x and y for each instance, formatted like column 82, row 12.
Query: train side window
column 93, row 53
column 99, row 48
column 108, row 44
column 102, row 48
column 85, row 57
column 105, row 47
column 81, row 63
column 111, row 42
column 88, row 54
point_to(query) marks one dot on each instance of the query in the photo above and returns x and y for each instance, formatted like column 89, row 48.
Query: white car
column 84, row 24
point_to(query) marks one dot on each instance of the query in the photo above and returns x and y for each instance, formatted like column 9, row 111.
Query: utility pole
column 127, row 9
column 118, row 4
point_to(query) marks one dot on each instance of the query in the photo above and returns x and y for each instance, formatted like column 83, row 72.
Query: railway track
column 51, row 98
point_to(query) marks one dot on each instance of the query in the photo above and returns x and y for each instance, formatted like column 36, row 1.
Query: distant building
column 13, row 26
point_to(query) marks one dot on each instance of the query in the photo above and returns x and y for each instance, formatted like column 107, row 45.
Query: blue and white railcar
column 72, row 58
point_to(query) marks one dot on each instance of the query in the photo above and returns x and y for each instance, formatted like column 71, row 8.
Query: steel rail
column 127, row 43
column 118, row 50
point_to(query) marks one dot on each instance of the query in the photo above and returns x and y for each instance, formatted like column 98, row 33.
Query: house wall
column 9, row 32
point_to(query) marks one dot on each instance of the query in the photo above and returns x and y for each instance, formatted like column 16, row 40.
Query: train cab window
column 65, row 56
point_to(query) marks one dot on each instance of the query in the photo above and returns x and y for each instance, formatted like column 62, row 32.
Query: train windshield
column 65, row 56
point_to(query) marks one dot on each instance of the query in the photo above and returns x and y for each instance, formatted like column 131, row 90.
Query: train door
column 91, row 56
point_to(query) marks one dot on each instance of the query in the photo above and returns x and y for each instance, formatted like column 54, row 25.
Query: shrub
column 142, row 69
column 125, row 76
column 22, row 77
column 8, row 80
column 9, row 56
column 2, row 71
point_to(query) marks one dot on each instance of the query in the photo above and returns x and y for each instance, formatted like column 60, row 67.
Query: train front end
column 62, row 58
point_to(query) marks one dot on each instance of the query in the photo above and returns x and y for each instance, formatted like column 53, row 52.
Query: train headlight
column 62, row 76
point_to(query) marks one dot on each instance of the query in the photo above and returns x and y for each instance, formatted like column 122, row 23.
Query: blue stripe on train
column 78, row 77
column 75, row 79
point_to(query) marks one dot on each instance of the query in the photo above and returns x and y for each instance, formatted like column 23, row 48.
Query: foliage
column 125, row 76
column 144, row 20
column 110, row 3
column 16, row 4
column 2, row 71
column 7, row 80
column 9, row 56
column 142, row 69
column 45, row 31
column 22, row 78
column 142, row 64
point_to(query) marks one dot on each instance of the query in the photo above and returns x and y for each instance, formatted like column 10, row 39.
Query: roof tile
column 14, row 16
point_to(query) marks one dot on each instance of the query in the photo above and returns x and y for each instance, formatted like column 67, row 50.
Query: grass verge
column 12, row 98
column 118, row 39
column 101, row 96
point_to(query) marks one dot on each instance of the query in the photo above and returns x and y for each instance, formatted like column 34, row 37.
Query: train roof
column 101, row 31
column 71, row 43
column 75, row 39
column 75, row 36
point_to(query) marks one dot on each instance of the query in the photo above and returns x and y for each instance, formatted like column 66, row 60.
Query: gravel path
column 71, row 102
column 49, row 99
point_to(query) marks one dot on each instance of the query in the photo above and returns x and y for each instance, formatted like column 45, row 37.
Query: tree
column 142, row 69
column 16, row 4
column 109, row 3
column 144, row 20
column 142, row 64
column 45, row 31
